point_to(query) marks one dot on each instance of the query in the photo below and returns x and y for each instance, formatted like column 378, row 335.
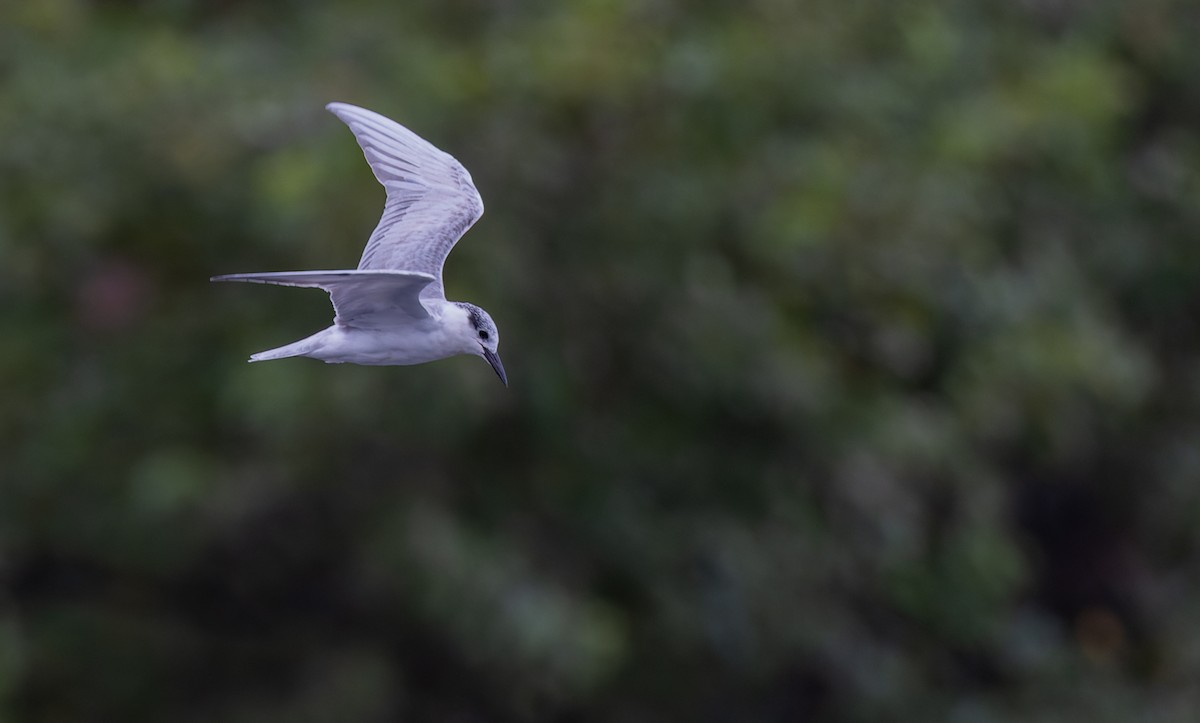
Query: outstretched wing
column 431, row 200
column 364, row 299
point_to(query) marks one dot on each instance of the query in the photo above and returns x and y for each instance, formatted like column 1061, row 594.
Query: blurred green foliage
column 854, row 349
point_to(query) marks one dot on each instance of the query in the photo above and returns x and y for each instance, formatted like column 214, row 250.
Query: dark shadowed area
column 854, row 352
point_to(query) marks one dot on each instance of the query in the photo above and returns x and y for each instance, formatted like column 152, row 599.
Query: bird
column 392, row 309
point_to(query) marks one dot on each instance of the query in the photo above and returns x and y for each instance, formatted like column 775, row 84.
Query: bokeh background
column 854, row 350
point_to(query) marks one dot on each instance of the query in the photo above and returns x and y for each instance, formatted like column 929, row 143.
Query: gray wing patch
column 431, row 200
column 367, row 299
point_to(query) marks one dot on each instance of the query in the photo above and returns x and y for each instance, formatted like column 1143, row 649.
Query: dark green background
column 854, row 350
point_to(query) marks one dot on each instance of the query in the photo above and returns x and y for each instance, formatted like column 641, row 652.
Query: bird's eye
column 483, row 334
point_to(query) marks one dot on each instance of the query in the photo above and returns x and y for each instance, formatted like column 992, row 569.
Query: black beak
column 494, row 359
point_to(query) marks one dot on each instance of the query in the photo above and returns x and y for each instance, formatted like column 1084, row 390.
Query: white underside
column 428, row 340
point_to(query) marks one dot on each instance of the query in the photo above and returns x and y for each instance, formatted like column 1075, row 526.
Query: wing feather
column 431, row 199
column 365, row 299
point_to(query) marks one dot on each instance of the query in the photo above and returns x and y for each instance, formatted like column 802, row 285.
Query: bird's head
column 484, row 338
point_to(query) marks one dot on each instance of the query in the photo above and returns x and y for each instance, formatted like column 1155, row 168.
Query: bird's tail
column 304, row 347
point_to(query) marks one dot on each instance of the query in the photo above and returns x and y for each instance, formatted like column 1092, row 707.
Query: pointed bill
column 494, row 359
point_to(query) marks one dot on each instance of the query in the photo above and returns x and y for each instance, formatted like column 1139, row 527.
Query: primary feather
column 431, row 200
column 364, row 299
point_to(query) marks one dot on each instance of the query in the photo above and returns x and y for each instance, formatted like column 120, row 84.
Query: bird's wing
column 364, row 299
column 431, row 200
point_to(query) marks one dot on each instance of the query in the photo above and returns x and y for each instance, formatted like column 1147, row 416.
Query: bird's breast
column 414, row 344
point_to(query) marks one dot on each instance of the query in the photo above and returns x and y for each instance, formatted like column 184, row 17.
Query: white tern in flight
column 392, row 309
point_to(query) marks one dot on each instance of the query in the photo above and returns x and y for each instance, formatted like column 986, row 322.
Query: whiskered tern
column 392, row 308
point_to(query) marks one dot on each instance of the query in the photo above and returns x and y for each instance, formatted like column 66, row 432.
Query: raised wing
column 431, row 200
column 364, row 299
